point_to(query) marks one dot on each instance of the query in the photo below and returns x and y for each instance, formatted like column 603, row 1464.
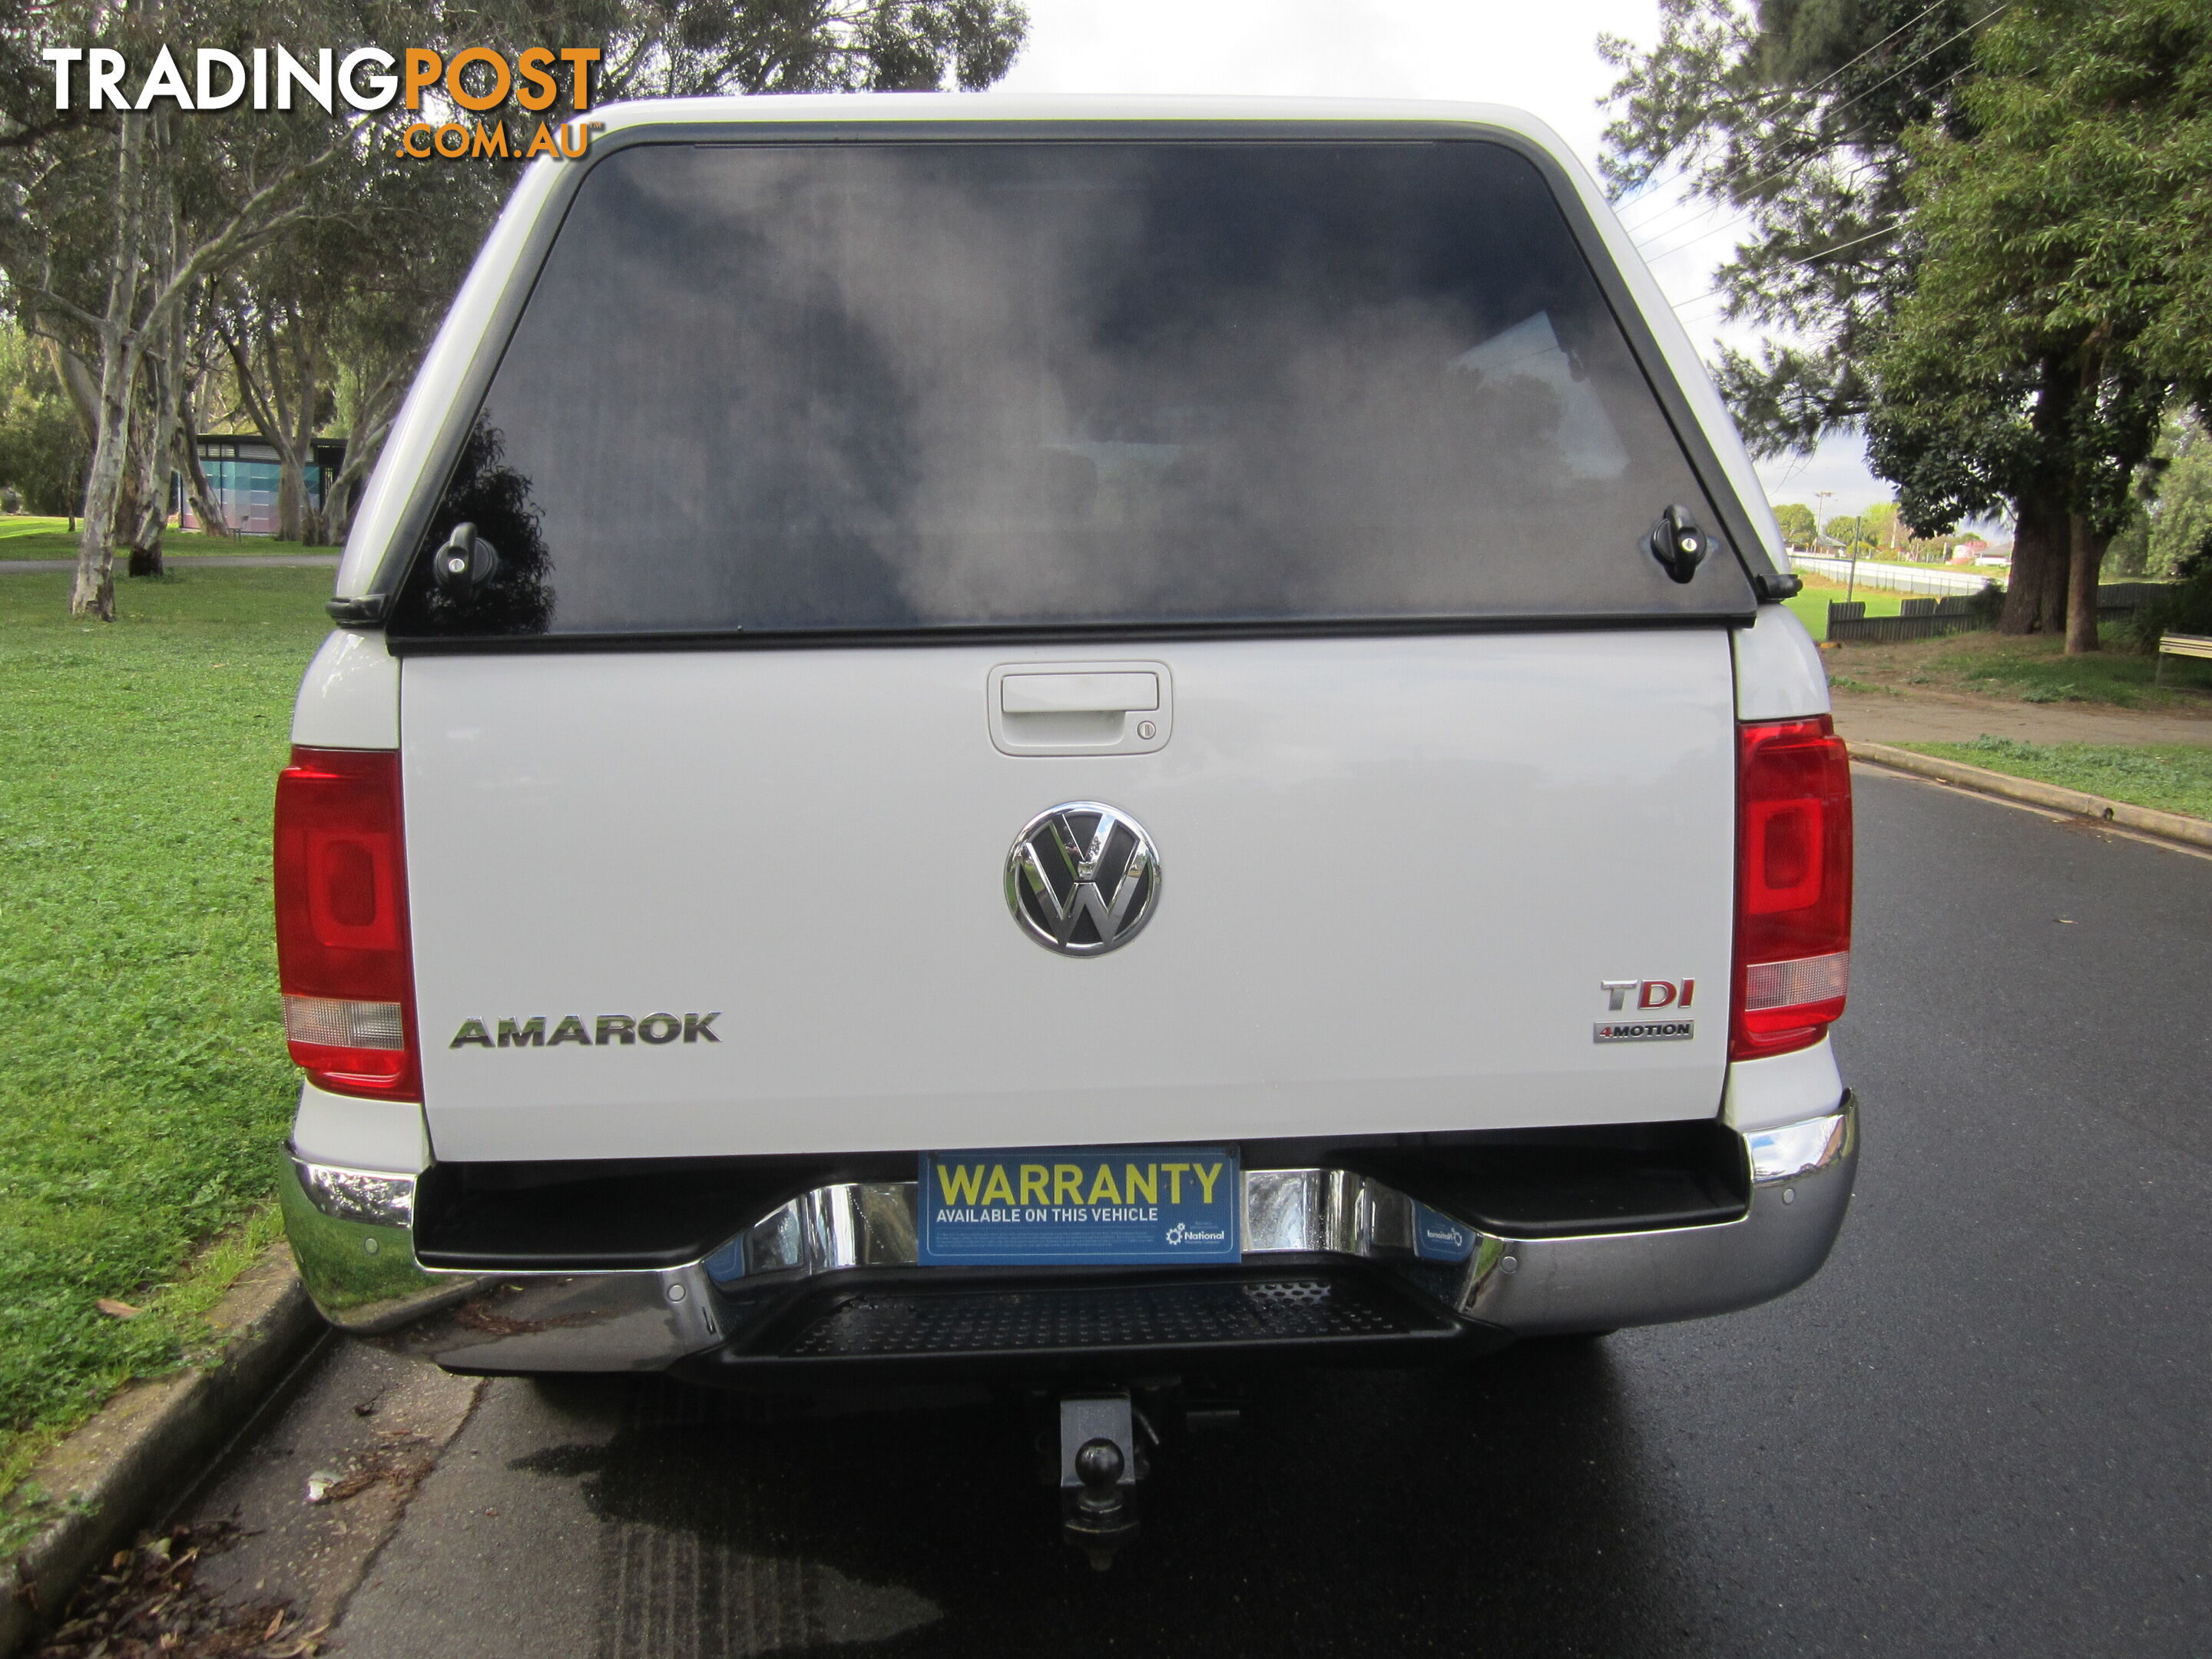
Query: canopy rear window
column 895, row 387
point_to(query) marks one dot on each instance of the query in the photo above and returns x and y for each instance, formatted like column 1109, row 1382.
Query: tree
column 41, row 444
column 1794, row 116
column 1853, row 535
column 1797, row 523
column 119, row 221
column 2045, row 337
column 334, row 317
column 122, row 228
column 2178, row 522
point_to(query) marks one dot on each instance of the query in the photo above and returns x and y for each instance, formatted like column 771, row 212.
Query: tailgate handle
column 1079, row 694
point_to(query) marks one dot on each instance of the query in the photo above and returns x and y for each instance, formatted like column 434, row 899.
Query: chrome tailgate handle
column 1080, row 707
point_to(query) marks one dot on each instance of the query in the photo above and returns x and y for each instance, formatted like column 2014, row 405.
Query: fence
column 1928, row 619
column 1917, row 619
column 1895, row 578
column 2118, row 601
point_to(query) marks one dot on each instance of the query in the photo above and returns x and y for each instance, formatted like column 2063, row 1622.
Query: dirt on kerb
column 146, row 1603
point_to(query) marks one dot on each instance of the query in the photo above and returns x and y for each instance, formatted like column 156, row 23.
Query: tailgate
column 1397, row 875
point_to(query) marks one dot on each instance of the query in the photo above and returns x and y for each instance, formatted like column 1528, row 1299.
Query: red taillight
column 341, row 922
column 1793, row 912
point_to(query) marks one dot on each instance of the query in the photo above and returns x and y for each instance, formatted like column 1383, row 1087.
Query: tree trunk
column 2035, row 598
column 2036, row 562
column 197, row 490
column 303, row 435
column 291, row 495
column 157, row 464
column 372, row 425
column 205, row 507
column 2085, row 565
column 78, row 385
column 93, row 593
column 281, row 398
column 2052, row 619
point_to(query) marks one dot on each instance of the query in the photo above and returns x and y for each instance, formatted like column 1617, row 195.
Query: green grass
column 1811, row 605
column 143, row 1080
column 26, row 535
column 2033, row 668
column 2167, row 777
column 2037, row 671
column 1845, row 683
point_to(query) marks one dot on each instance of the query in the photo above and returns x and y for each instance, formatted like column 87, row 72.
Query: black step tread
column 1030, row 1319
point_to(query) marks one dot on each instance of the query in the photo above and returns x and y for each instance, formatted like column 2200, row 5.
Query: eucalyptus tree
column 361, row 282
column 118, row 221
column 2068, row 237
column 319, row 262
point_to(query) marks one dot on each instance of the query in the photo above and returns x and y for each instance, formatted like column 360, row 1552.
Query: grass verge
column 144, row 1080
column 2166, row 777
column 27, row 536
column 1811, row 605
column 2026, row 669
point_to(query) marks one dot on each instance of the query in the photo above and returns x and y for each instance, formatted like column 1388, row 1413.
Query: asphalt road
column 1983, row 1428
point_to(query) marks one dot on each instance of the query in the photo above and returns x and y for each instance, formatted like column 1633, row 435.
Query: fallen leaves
column 148, row 1603
column 114, row 1310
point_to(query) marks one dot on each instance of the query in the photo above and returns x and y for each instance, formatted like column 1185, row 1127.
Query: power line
column 1779, row 172
column 1936, row 5
column 1721, row 290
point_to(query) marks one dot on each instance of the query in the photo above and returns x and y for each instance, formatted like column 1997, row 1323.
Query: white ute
column 1097, row 741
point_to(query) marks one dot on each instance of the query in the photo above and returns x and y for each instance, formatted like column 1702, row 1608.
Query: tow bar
column 1100, row 1464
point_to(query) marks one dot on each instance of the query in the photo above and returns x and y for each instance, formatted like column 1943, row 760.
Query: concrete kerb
column 143, row 1449
column 2171, row 826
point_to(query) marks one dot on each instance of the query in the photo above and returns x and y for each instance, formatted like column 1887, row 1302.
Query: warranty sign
column 1077, row 1207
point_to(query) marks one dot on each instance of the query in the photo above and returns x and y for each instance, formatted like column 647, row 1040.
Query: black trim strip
column 1070, row 634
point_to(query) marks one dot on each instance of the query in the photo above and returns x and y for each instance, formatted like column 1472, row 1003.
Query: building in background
column 241, row 473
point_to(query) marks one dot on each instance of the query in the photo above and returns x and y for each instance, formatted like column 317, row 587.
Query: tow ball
column 1100, row 1462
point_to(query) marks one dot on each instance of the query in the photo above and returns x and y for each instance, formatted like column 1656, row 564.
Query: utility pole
column 1820, row 518
column 1852, row 588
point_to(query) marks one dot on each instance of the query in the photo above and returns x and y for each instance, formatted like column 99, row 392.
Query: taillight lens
column 342, row 957
column 1793, row 922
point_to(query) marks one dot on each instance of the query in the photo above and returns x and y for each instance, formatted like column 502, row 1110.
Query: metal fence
column 1895, row 578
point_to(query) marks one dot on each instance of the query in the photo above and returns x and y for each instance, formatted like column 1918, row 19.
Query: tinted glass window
column 899, row 385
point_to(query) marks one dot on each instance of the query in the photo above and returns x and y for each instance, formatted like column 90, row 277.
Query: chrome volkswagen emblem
column 1083, row 878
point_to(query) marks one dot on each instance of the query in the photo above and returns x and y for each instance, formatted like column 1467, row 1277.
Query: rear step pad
column 1060, row 1318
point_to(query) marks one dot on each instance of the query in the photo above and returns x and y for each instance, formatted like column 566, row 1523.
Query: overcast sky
column 1541, row 56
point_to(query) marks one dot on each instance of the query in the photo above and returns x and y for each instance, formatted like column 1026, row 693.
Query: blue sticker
column 1073, row 1207
column 727, row 1264
column 1437, row 1237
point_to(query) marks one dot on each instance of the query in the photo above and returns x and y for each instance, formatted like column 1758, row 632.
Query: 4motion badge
column 1083, row 878
column 1649, row 993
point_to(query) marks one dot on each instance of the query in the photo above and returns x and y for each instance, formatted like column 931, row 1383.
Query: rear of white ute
column 1063, row 740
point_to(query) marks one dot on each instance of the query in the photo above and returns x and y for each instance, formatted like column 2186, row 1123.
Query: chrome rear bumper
column 351, row 1232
